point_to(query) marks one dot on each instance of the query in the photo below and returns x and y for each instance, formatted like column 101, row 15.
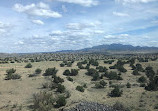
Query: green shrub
column 135, row 72
column 95, row 77
column 10, row 74
column 61, row 101
column 50, row 72
column 101, row 69
column 11, row 71
column 32, row 75
column 62, row 65
column 58, row 80
column 61, row 88
column 74, row 72
column 38, row 71
column 80, row 88
column 29, row 65
column 91, row 72
column 112, row 75
column 69, row 79
column 93, row 62
column 139, row 67
column 142, row 79
column 128, row 85
column 153, row 84
column 149, row 72
column 66, row 72
column 101, row 84
column 116, row 92
column 156, row 106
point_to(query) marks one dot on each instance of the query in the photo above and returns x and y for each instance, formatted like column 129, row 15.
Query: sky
column 51, row 25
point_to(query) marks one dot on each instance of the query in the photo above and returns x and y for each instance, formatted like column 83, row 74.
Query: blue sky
column 52, row 25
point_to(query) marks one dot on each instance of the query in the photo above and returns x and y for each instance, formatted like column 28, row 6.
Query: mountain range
column 114, row 49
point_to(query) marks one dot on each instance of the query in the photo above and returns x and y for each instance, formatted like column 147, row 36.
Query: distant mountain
column 115, row 49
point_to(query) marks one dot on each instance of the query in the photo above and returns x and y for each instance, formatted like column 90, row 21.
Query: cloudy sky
column 52, row 25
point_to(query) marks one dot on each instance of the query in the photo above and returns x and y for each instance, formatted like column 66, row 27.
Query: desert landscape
column 43, row 80
column 78, row 55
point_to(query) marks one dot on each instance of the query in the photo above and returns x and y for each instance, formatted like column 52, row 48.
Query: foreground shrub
column 73, row 72
column 95, row 77
column 29, row 65
column 102, row 69
column 50, row 72
column 10, row 74
column 142, row 79
column 38, row 71
column 116, row 92
column 92, row 72
column 61, row 88
column 11, row 71
column 101, row 84
column 58, row 80
column 69, row 79
column 135, row 72
column 61, row 101
column 43, row 101
column 149, row 72
column 80, row 88
column 128, row 85
column 153, row 84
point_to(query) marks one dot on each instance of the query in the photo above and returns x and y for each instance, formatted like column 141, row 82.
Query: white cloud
column 86, row 3
column 120, row 14
column 124, row 2
column 120, row 36
column 19, row 42
column 64, row 8
column 39, row 22
column 4, row 28
column 98, row 31
column 40, row 9
column 80, row 26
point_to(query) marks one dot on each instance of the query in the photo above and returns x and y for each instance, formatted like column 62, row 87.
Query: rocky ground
column 91, row 106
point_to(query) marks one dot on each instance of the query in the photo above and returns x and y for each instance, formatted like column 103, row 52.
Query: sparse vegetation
column 80, row 88
column 50, row 72
column 116, row 92
column 10, row 74
column 29, row 65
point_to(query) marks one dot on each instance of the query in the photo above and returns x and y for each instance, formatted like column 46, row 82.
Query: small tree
column 58, row 80
column 61, row 88
column 128, row 85
column 116, row 92
column 95, row 77
column 101, row 84
column 74, row 72
column 66, row 72
column 62, row 65
column 142, row 79
column 61, row 101
column 51, row 72
column 29, row 65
